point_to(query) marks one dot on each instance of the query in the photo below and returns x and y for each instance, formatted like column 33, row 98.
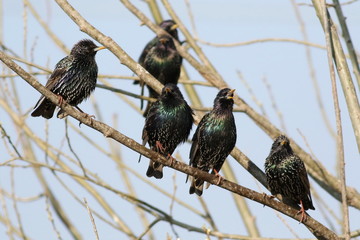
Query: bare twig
column 339, row 137
column 312, row 70
column 238, row 44
column 71, row 148
column 92, row 220
column 348, row 41
column 51, row 219
column 347, row 84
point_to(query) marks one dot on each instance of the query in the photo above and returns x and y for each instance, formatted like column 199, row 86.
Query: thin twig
column 92, row 220
column 51, row 219
column 311, row 66
column 339, row 137
column 348, row 41
column 71, row 148
column 289, row 40
column 352, row 102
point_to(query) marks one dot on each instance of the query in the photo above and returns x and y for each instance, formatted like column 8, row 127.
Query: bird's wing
column 303, row 176
column 194, row 151
column 59, row 72
column 145, row 137
column 146, row 50
column 151, row 121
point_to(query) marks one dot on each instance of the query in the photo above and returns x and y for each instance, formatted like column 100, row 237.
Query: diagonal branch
column 319, row 230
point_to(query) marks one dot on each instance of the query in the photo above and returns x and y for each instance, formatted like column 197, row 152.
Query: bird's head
column 281, row 146
column 171, row 89
column 85, row 47
column 165, row 43
column 225, row 97
column 171, row 27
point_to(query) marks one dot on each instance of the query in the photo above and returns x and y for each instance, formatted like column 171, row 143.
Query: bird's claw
column 91, row 117
column 160, row 147
column 219, row 176
column 172, row 160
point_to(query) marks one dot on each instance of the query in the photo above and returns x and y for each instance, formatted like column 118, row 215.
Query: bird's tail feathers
column 44, row 108
column 197, row 186
column 155, row 170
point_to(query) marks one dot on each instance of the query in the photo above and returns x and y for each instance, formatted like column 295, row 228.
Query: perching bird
column 163, row 62
column 214, row 139
column 169, row 26
column 286, row 175
column 167, row 124
column 73, row 79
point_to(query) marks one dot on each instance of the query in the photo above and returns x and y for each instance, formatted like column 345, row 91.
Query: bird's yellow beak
column 167, row 90
column 283, row 142
column 173, row 27
column 230, row 94
column 163, row 40
column 99, row 48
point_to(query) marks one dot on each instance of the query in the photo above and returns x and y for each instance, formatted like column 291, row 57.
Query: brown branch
column 343, row 71
column 250, row 42
column 339, row 137
column 348, row 41
column 319, row 230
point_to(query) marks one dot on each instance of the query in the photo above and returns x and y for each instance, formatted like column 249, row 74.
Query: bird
column 167, row 124
column 167, row 25
column 163, row 62
column 73, row 79
column 156, row 53
column 214, row 139
column 286, row 175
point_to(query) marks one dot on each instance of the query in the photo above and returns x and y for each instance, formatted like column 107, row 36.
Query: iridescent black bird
column 73, row 79
column 161, row 59
column 163, row 62
column 286, row 175
column 169, row 26
column 214, row 139
column 167, row 124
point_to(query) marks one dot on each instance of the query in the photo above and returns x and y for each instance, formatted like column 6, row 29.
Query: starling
column 286, row 175
column 73, row 79
column 167, row 124
column 164, row 63
column 169, row 26
column 214, row 139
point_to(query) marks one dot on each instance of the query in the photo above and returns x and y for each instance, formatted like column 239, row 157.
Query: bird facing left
column 73, row 79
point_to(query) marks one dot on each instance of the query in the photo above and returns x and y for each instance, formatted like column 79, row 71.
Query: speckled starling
column 169, row 26
column 286, row 175
column 214, row 139
column 73, row 79
column 164, row 63
column 167, row 124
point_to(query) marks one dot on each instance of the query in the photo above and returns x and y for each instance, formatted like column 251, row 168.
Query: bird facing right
column 286, row 175
column 214, row 139
column 73, row 79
